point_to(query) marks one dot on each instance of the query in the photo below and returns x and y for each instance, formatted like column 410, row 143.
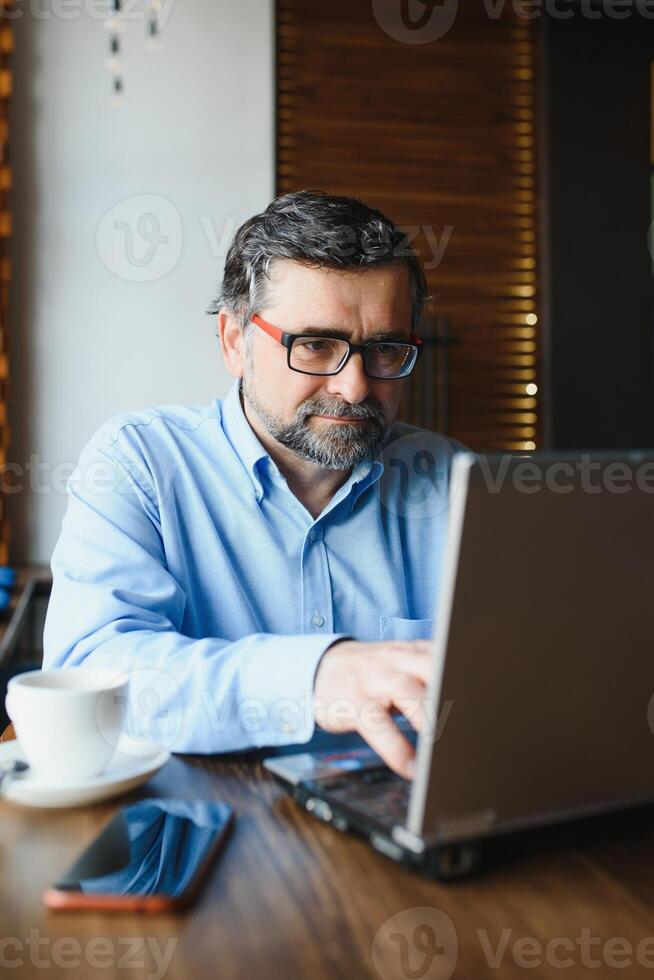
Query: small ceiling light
column 117, row 99
column 115, row 25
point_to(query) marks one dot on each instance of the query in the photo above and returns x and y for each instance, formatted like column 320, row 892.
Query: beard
column 336, row 446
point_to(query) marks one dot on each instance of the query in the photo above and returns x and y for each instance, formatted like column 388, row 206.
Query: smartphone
column 152, row 857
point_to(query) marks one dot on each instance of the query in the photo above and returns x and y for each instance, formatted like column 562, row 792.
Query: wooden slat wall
column 6, row 49
column 436, row 135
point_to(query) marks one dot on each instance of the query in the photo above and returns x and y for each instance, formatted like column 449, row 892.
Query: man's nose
column 352, row 383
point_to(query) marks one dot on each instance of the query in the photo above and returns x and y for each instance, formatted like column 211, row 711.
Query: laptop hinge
column 408, row 840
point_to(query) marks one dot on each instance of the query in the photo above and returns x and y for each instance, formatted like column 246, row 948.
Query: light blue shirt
column 185, row 559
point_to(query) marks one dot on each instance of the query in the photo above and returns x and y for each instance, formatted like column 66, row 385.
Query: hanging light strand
column 152, row 26
column 116, row 26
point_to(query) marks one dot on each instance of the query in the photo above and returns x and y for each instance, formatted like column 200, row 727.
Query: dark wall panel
column 596, row 80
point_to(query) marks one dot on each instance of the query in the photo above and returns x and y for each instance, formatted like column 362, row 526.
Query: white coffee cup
column 68, row 721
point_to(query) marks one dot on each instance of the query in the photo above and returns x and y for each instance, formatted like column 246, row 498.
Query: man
column 262, row 564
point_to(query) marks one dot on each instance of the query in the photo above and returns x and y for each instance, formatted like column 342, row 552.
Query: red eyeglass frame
column 287, row 340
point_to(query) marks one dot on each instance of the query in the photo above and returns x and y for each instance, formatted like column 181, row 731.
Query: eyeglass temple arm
column 278, row 334
column 268, row 328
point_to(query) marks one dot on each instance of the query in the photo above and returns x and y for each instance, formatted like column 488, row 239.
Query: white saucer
column 133, row 762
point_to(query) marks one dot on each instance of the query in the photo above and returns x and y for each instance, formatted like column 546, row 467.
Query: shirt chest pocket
column 393, row 628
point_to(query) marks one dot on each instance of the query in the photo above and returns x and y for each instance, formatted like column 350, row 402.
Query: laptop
column 541, row 700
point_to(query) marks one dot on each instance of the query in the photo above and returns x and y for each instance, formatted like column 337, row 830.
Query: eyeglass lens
column 324, row 355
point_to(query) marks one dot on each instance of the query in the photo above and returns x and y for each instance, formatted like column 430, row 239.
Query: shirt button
column 312, row 535
column 317, row 620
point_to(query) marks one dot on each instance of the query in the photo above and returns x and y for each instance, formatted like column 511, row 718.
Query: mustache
column 368, row 409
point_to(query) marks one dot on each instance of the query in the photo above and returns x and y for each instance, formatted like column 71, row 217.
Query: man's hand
column 358, row 685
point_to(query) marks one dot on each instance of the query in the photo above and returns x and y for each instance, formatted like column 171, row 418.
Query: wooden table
column 292, row 898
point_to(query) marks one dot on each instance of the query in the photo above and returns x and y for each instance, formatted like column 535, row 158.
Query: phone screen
column 151, row 848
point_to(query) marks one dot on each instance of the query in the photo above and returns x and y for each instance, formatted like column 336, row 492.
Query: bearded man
column 269, row 563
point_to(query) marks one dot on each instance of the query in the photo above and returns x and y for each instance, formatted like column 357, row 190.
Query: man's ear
column 232, row 343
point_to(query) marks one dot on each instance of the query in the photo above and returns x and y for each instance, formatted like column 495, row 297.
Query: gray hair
column 318, row 230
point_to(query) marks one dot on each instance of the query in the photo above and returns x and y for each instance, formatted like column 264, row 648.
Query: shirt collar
column 250, row 451
column 364, row 474
column 241, row 436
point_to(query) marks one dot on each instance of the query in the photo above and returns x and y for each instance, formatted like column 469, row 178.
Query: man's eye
column 320, row 345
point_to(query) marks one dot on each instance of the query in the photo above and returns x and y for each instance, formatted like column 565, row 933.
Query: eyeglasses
column 312, row 354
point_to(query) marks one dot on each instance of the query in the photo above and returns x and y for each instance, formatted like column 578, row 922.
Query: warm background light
column 471, row 164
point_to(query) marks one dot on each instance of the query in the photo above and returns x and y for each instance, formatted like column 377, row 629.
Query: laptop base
column 355, row 792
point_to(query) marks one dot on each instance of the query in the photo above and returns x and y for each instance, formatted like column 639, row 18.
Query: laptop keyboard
column 380, row 795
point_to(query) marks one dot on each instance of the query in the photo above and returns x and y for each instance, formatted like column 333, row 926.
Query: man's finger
column 410, row 646
column 415, row 711
column 389, row 743
column 415, row 662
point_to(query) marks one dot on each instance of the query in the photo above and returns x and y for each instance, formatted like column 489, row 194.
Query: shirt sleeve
column 114, row 604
